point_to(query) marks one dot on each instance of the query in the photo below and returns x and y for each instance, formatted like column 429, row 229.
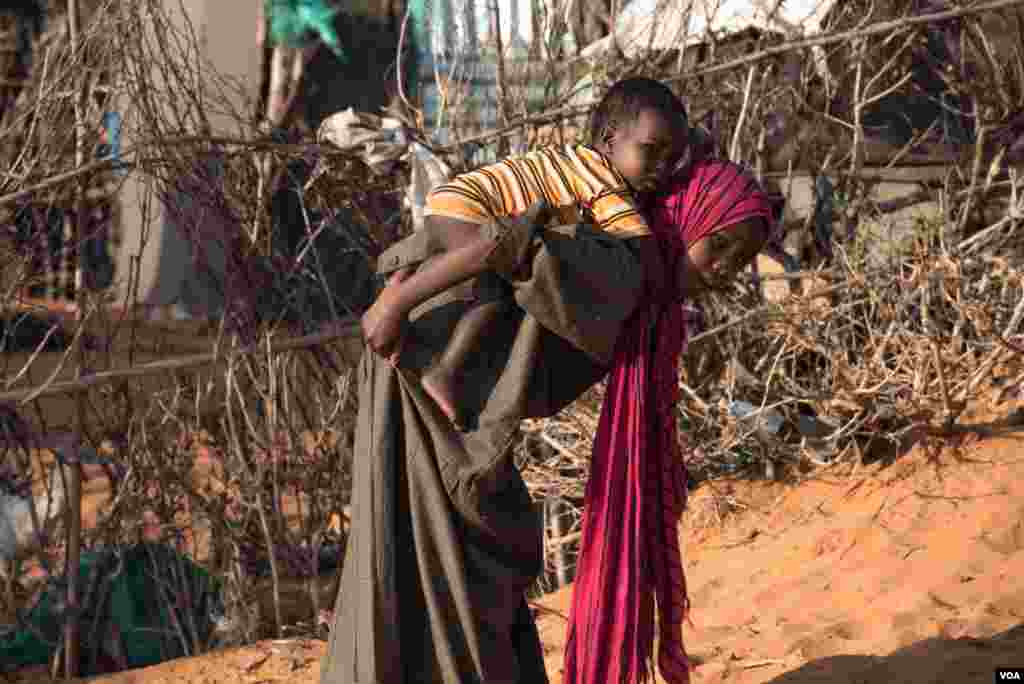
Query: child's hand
column 383, row 322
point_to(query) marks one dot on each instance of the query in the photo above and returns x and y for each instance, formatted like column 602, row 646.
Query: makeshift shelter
column 668, row 24
column 646, row 26
column 166, row 266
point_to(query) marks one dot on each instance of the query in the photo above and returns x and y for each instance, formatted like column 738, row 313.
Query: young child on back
column 637, row 133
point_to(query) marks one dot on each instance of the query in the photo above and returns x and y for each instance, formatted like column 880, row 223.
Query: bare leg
column 441, row 382
column 464, row 258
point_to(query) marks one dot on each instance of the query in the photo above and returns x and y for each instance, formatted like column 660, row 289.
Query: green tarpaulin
column 141, row 605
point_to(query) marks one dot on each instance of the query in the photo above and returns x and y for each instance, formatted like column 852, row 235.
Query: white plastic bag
column 428, row 171
column 379, row 141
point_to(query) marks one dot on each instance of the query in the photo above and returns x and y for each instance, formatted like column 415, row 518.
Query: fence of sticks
column 229, row 440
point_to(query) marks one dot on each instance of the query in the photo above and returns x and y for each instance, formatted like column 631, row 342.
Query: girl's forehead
column 745, row 232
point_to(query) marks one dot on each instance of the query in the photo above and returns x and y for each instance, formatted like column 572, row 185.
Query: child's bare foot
column 439, row 384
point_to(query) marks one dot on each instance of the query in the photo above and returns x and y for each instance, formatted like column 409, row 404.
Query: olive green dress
column 445, row 539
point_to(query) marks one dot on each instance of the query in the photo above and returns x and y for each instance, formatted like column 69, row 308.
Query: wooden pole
column 556, row 509
column 74, row 499
column 503, row 113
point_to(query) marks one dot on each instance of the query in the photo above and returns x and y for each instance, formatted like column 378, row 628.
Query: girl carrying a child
column 444, row 539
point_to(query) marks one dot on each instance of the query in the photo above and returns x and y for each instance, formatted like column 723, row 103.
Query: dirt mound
column 911, row 572
column 908, row 573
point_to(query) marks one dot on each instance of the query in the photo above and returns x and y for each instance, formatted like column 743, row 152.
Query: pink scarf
column 637, row 489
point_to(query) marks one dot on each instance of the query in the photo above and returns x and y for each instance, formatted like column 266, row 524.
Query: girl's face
column 714, row 261
column 644, row 150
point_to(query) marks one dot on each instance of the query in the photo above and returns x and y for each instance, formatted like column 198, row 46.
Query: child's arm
column 382, row 323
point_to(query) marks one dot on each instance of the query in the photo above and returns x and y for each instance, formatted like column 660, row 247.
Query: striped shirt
column 573, row 180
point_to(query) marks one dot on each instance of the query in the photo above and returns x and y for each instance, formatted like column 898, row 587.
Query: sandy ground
column 908, row 572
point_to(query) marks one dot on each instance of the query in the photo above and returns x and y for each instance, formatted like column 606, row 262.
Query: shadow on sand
column 938, row 660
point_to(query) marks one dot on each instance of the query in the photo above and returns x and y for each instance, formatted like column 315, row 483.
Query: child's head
column 642, row 127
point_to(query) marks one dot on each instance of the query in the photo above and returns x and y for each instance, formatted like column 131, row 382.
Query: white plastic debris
column 428, row 171
column 769, row 420
column 380, row 141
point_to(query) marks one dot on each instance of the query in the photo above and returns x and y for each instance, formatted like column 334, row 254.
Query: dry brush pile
column 238, row 459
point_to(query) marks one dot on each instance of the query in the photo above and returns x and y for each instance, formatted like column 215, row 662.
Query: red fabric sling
column 637, row 488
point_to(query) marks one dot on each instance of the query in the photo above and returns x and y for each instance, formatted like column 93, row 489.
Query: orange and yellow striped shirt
column 569, row 179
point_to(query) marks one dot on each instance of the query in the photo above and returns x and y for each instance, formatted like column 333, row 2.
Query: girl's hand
column 383, row 322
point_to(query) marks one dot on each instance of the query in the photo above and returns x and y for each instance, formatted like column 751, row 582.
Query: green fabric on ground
column 126, row 620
